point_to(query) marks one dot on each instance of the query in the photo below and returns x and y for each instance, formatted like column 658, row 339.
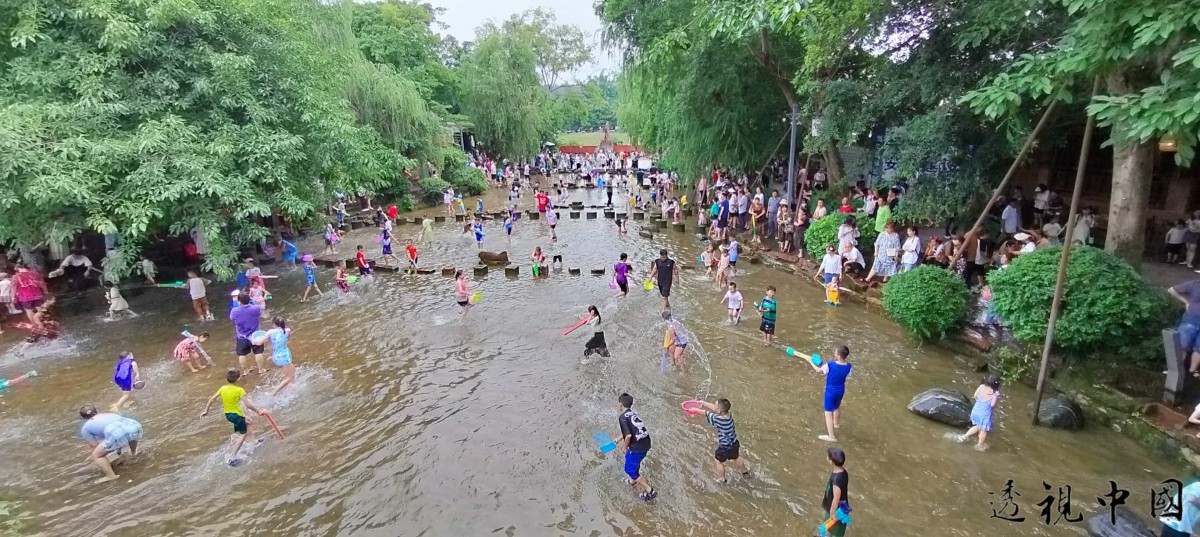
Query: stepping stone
column 574, row 271
column 386, row 268
column 439, row 219
column 646, row 233
column 460, row 218
column 512, row 271
column 638, row 215
column 609, row 215
column 427, row 271
column 599, row 271
column 591, row 216
column 356, row 225
column 448, row 271
column 575, row 215
column 680, row 227
column 481, row 270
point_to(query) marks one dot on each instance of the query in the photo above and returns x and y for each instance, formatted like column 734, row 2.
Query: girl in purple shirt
column 622, row 269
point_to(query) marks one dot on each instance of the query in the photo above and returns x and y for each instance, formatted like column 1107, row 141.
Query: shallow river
column 408, row 419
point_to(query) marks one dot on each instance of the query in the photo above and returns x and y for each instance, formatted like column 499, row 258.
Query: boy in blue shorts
column 768, row 311
column 635, row 442
column 232, row 398
column 835, row 387
column 310, row 276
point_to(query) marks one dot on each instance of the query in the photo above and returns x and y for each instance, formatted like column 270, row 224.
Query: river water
column 408, row 419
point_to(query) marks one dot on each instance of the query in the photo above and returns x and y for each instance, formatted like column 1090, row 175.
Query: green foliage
column 824, row 232
column 454, row 170
column 1015, row 365
column 1106, row 304
column 927, row 301
column 503, row 96
column 557, row 48
column 587, row 106
column 400, row 34
column 432, row 188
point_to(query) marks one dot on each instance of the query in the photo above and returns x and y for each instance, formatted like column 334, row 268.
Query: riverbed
column 408, row 418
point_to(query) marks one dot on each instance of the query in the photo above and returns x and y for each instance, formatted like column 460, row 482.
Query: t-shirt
column 412, row 251
column 666, row 271
column 842, row 480
column 680, row 337
column 231, row 395
column 1175, row 235
column 733, row 251
column 245, row 320
column 542, row 201
column 1190, row 291
column 632, row 426
column 735, row 299
column 621, row 269
column 768, row 306
column 726, row 435
column 854, row 256
column 831, row 264
column 392, row 212
column 196, row 288
column 93, row 428
column 1012, row 219
column 773, row 204
column 743, row 204
column 551, row 218
column 724, row 214
column 362, row 260
column 1191, row 513
column 881, row 217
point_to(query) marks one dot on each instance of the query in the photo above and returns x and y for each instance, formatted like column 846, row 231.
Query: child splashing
column 595, row 345
column 187, row 352
column 281, row 356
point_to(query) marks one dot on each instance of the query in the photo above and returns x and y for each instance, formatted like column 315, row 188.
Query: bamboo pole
column 758, row 178
column 1060, row 283
column 1012, row 170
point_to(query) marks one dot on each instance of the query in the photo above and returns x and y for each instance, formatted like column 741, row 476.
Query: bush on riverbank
column 1106, row 304
column 824, row 231
column 454, row 170
column 432, row 188
column 927, row 301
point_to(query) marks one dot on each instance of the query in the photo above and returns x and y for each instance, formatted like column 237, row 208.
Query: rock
column 512, row 271
column 493, row 258
column 460, row 218
column 575, row 214
column 439, row 219
column 1060, row 413
column 599, row 271
column 591, row 215
column 447, row 271
column 574, row 271
column 481, row 270
column 356, row 225
column 425, row 271
column 1128, row 525
column 942, row 405
column 610, row 215
column 646, row 233
column 638, row 215
column 701, row 237
column 680, row 227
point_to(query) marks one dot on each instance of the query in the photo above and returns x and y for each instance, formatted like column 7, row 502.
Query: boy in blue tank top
column 835, row 387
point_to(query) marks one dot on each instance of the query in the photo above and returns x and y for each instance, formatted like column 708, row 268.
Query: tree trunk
column 834, row 167
column 1132, row 166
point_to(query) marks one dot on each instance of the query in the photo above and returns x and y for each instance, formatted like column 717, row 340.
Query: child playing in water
column 232, row 398
column 552, row 219
column 677, row 341
column 723, row 268
column 508, row 226
column 364, row 268
column 477, row 227
column 125, row 376
column 258, row 294
column 479, row 205
column 149, row 270
column 986, row 396
column 537, row 257
column 595, row 345
column 728, row 446
column 427, row 232
column 339, row 278
column 281, row 356
column 187, row 353
column 708, row 260
column 734, row 298
column 621, row 226
column 331, row 237
column 6, row 295
column 621, row 270
column 199, row 295
column 386, row 241
column 835, row 387
column 116, row 302
column 412, row 257
column 462, row 291
column 635, row 443
column 768, row 311
column 310, row 276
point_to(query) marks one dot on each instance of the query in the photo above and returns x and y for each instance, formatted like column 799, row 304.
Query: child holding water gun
column 537, row 257
column 232, row 398
column 734, row 299
column 835, row 387
column 187, row 352
column 477, row 227
column 986, row 396
column 412, row 256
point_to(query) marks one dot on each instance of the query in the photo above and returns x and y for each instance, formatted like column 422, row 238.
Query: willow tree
column 1147, row 55
column 503, row 96
column 121, row 117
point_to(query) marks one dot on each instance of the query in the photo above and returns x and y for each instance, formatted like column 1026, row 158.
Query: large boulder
column 1128, row 525
column 1060, row 413
column 493, row 258
column 946, row 406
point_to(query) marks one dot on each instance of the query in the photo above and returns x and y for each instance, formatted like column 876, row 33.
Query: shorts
column 664, row 290
column 311, row 281
column 1188, row 340
column 633, row 463
column 29, row 304
column 1174, row 249
column 833, row 399
column 722, row 224
column 238, row 421
column 120, row 433
column 281, row 359
column 125, row 384
column 624, row 286
column 244, row 347
column 463, row 303
column 838, row 529
column 767, row 327
column 829, row 276
column 508, row 230
column 556, row 259
column 364, row 271
column 200, row 305
column 728, row 453
column 733, row 262
column 289, row 258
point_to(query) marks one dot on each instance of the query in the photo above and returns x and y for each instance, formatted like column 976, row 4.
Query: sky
column 463, row 16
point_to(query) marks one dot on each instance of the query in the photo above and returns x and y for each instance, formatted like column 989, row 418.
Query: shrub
column 454, row 170
column 824, row 231
column 432, row 189
column 1105, row 302
column 927, row 301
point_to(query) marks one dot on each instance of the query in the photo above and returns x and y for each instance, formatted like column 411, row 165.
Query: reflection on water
column 409, row 419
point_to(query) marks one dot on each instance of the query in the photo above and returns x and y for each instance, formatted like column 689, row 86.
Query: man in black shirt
column 837, row 492
column 635, row 441
column 665, row 270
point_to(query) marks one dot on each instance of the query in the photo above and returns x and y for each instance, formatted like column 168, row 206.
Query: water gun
column 815, row 359
column 6, row 383
column 841, row 514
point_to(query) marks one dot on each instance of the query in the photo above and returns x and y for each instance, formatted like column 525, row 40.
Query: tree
column 558, row 49
column 401, row 34
column 1147, row 57
column 502, row 95
column 125, row 118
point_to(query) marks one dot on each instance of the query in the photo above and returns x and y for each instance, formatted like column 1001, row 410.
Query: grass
column 589, row 138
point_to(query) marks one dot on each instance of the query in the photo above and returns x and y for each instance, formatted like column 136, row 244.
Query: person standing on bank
column 665, row 270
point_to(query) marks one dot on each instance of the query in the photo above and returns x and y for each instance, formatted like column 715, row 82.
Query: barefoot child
column 462, row 291
column 125, row 376
column 477, row 227
column 986, row 396
column 386, row 241
column 708, row 260
column 595, row 345
column 427, row 232
column 768, row 311
column 723, row 268
column 339, row 278
column 116, row 303
column 364, row 268
column 835, row 387
column 676, row 341
column 734, row 299
column 728, row 447
column 412, row 257
column 187, row 353
column 232, row 398
column 635, row 443
column 199, row 295
column 537, row 257
column 508, row 226
column 108, row 433
column 281, row 356
column 310, row 277
column 622, row 271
